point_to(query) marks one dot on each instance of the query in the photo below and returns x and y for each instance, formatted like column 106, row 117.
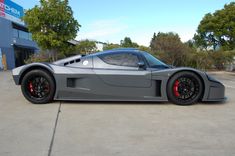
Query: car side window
column 120, row 59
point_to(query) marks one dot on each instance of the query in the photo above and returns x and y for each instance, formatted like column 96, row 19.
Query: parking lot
column 117, row 129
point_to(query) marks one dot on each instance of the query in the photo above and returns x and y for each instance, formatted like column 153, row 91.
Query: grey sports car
column 116, row 75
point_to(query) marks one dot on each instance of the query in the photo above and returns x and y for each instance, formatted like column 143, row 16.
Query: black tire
column 38, row 86
column 185, row 88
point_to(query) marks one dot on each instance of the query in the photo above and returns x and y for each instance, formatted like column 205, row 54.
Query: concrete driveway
column 119, row 129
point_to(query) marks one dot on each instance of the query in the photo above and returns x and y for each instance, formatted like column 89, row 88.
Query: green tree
column 218, row 29
column 144, row 48
column 152, row 42
column 169, row 48
column 52, row 24
column 86, row 47
column 127, row 43
column 111, row 46
column 67, row 50
column 191, row 44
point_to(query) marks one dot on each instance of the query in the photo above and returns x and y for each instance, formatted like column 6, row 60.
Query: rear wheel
column 38, row 86
column 184, row 88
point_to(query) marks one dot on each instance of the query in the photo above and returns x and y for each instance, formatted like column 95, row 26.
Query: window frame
column 147, row 62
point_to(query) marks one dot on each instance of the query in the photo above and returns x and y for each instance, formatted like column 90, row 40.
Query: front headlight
column 211, row 78
column 16, row 71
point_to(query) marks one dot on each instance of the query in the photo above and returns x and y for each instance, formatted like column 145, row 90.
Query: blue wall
column 7, row 41
column 6, row 35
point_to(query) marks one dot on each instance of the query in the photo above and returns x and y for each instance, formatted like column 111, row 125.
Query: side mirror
column 141, row 64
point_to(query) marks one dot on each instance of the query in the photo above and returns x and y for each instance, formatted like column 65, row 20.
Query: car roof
column 119, row 50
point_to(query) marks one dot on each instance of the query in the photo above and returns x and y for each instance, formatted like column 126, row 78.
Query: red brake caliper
column 31, row 87
column 47, row 87
column 175, row 88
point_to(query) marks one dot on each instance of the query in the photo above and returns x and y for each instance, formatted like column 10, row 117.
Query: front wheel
column 38, row 86
column 184, row 88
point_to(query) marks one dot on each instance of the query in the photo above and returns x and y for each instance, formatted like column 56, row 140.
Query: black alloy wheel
column 184, row 88
column 38, row 86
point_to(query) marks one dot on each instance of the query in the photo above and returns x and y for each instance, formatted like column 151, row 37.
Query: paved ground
column 119, row 129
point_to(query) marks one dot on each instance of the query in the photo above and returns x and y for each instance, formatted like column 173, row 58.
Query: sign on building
column 11, row 11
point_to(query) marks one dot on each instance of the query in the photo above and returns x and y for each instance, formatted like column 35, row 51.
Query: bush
column 210, row 60
column 200, row 60
column 221, row 58
column 38, row 57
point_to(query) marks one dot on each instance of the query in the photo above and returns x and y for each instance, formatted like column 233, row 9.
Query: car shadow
column 138, row 103
column 215, row 102
column 116, row 102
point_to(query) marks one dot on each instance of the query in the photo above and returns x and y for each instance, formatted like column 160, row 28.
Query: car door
column 120, row 78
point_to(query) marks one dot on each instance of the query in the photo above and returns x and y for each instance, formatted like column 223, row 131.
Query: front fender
column 166, row 75
column 19, row 72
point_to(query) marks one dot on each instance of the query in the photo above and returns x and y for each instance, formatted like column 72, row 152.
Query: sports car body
column 115, row 75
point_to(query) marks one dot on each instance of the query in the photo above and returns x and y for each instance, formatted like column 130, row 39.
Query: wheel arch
column 39, row 67
column 192, row 71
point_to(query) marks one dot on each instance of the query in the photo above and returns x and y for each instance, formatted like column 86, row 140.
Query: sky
column 112, row 20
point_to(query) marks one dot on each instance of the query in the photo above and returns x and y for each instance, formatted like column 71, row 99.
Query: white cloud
column 102, row 30
column 144, row 37
column 114, row 30
column 185, row 32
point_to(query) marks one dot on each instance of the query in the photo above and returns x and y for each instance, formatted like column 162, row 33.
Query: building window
column 30, row 36
column 22, row 34
column 15, row 33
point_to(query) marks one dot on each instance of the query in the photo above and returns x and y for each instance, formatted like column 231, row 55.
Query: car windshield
column 154, row 62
